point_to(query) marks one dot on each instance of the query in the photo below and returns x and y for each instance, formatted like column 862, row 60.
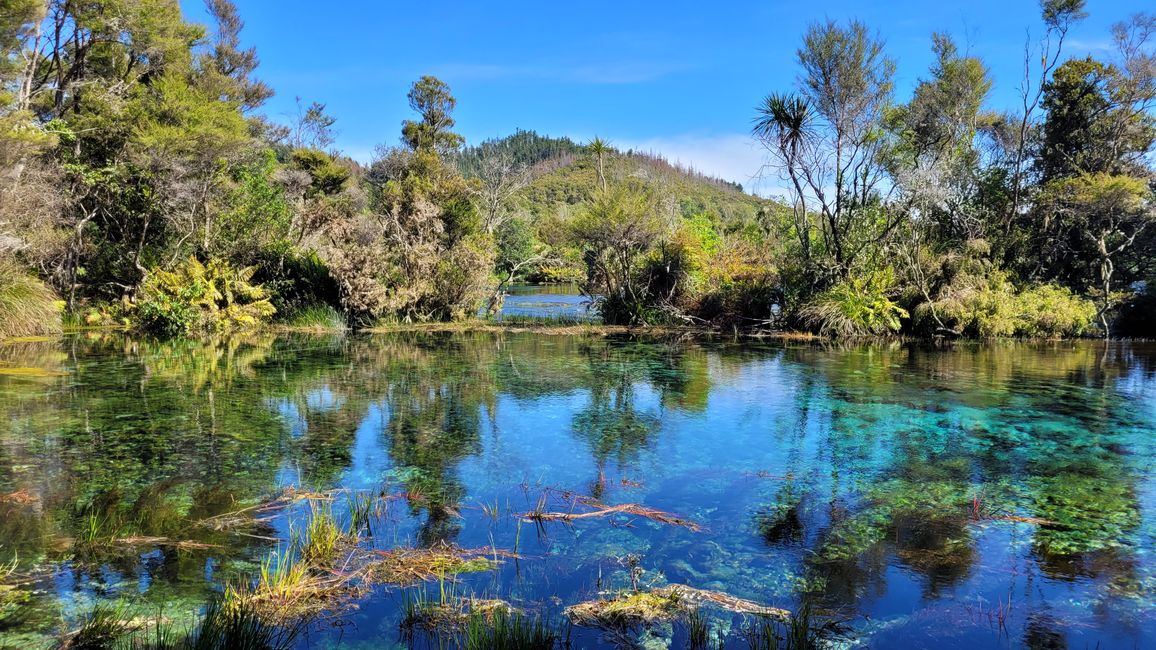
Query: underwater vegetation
column 464, row 489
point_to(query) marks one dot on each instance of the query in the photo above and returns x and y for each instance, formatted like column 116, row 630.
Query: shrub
column 202, row 298
column 27, row 306
column 990, row 306
column 296, row 280
column 1051, row 311
column 857, row 306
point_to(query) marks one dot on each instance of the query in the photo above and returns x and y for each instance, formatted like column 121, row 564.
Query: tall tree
column 828, row 141
column 599, row 148
column 1059, row 16
column 231, row 61
column 1096, row 202
column 430, row 98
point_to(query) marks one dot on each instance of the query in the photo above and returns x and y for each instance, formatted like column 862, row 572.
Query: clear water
column 549, row 301
column 875, row 481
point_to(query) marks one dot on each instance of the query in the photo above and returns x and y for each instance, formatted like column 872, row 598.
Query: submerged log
column 602, row 510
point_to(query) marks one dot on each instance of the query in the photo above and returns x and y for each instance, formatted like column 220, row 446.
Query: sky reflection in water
column 876, row 480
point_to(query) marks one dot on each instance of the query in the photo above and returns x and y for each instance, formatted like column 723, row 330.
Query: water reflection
column 901, row 488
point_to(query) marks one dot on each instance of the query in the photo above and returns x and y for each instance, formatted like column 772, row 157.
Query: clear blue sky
column 677, row 77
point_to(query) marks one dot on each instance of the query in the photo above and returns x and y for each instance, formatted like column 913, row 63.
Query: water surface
column 899, row 489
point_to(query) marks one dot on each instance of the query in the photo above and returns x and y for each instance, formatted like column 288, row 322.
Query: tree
column 599, row 148
column 500, row 180
column 313, row 127
column 517, row 251
column 828, row 139
column 1111, row 212
column 430, row 98
column 233, row 63
column 1059, row 16
column 783, row 125
column 1095, row 201
column 420, row 253
column 616, row 231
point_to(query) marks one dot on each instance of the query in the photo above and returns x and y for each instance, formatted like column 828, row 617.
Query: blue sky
column 679, row 78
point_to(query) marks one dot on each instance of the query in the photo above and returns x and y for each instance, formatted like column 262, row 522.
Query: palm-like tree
column 785, row 119
column 599, row 148
column 784, row 124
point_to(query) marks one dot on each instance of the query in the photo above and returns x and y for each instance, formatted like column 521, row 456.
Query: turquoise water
column 983, row 496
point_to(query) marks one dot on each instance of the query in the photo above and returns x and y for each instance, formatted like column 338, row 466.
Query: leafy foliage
column 858, row 306
column 196, row 298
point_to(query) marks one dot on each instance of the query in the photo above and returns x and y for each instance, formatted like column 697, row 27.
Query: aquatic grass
column 800, row 631
column 286, row 589
column 282, row 573
column 318, row 543
column 222, row 626
column 545, row 320
column 502, row 629
column 99, row 531
column 240, row 628
column 473, row 623
column 492, row 512
column 697, row 630
column 364, row 510
column 9, row 568
column 100, row 628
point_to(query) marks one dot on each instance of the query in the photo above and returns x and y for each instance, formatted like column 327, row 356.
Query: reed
column 697, row 630
column 322, row 536
column 502, row 629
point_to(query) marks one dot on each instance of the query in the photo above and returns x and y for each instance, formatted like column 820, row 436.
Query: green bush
column 202, row 298
column 857, row 306
column 296, row 280
column 27, row 306
column 992, row 307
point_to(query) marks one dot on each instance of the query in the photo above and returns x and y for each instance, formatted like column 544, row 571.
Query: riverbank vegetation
column 142, row 186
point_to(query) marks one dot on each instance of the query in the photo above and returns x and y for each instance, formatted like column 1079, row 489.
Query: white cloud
column 734, row 157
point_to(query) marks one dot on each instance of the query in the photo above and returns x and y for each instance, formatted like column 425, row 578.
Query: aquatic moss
column 1094, row 512
column 643, row 607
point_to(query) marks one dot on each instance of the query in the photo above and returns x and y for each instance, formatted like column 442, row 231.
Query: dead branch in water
column 1037, row 521
column 603, row 510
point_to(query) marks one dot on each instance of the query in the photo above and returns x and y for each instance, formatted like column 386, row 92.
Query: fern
column 203, row 298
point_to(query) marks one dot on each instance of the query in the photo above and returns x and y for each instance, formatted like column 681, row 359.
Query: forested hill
column 522, row 149
column 562, row 172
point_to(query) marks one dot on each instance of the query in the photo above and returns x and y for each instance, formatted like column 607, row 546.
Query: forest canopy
column 142, row 186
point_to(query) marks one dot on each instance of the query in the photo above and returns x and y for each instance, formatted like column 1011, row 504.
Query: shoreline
column 574, row 329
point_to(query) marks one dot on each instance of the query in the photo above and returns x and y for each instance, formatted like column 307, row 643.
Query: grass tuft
column 316, row 317
column 27, row 306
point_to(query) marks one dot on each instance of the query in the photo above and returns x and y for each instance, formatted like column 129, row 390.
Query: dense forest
column 141, row 186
